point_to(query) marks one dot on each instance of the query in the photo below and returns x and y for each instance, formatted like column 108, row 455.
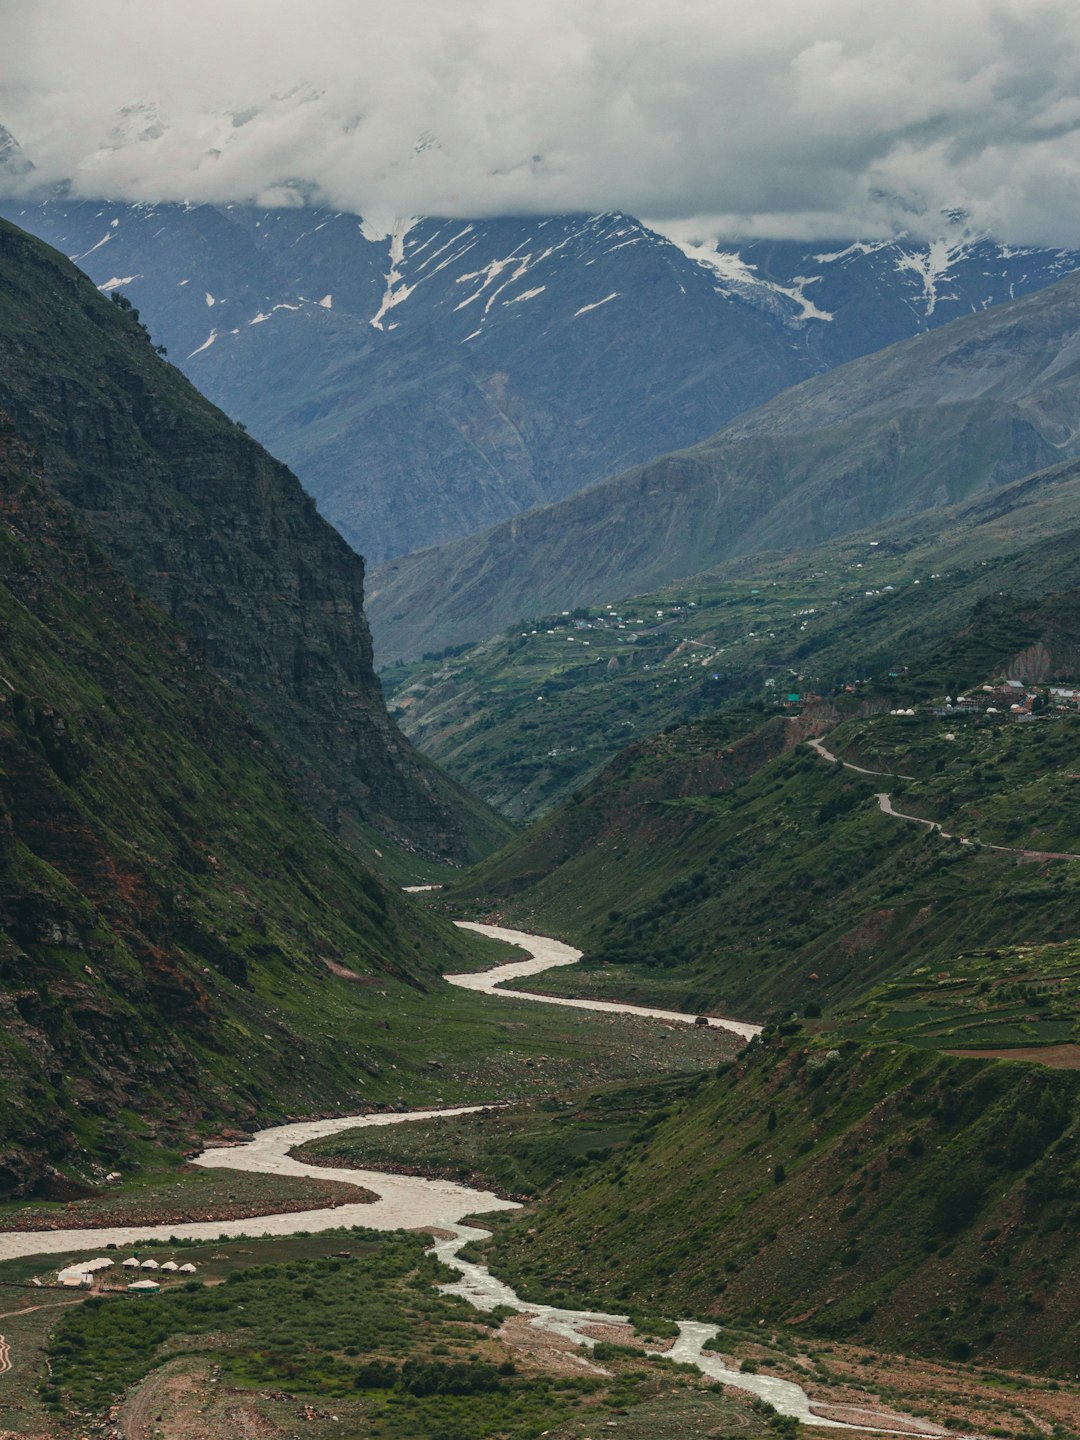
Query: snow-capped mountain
column 434, row 377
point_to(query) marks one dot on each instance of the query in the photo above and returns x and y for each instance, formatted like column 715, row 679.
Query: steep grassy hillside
column 925, row 423
column 182, row 947
column 221, row 537
column 179, row 940
column 724, row 866
column 524, row 719
column 917, row 1202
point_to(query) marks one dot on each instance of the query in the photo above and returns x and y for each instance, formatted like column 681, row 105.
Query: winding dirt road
column 819, row 745
column 885, row 805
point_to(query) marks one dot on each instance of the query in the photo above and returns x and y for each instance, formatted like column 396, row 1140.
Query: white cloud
column 781, row 117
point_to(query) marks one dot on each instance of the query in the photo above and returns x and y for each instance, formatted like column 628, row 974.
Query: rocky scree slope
column 431, row 379
column 168, row 910
column 929, row 422
column 222, row 538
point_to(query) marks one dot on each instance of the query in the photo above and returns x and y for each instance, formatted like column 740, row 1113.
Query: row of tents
column 81, row 1275
column 134, row 1263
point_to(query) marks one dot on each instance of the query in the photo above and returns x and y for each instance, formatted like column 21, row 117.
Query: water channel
column 411, row 1202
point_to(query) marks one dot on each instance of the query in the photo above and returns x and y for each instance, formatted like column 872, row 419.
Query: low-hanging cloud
column 781, row 118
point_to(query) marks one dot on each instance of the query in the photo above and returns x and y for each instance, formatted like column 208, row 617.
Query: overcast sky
column 821, row 118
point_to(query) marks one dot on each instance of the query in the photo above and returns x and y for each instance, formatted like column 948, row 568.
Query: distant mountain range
column 429, row 382
column 810, row 621
column 925, row 423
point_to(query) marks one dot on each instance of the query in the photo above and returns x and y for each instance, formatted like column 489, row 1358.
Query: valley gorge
column 208, row 823
column 222, row 539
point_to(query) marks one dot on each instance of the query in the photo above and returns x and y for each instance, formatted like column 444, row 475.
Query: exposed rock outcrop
column 222, row 537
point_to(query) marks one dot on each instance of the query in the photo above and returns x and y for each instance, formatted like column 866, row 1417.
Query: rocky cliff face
column 219, row 535
column 169, row 911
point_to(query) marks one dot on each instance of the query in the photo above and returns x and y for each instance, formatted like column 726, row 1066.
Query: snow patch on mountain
column 443, row 248
column 103, row 241
column 205, row 345
column 931, row 267
column 940, row 271
column 857, row 248
column 738, row 278
column 596, row 304
column 396, row 290
column 489, row 275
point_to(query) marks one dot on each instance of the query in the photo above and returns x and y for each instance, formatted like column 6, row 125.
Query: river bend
column 408, row 1202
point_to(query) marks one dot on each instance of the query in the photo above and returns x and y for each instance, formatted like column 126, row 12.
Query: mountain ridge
column 222, row 537
column 833, row 455
column 433, row 377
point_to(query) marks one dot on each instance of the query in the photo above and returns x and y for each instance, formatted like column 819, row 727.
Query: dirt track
column 885, row 805
column 5, row 1347
column 1058, row 1057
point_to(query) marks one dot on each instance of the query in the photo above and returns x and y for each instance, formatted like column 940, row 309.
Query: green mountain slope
column 169, row 912
column 809, row 621
column 221, row 537
column 925, row 423
column 725, row 865
column 887, row 1164
column 908, row 1200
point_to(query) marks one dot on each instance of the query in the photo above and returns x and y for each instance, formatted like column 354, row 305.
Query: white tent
column 145, row 1287
column 170, row 1265
column 80, row 1273
column 149, row 1265
column 187, row 1269
column 131, row 1263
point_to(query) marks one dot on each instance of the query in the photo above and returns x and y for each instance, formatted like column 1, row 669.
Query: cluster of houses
column 1013, row 698
column 85, row 1274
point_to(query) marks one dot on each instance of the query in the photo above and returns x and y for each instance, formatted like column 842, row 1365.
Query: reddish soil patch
column 1058, row 1057
column 539, row 1351
column 614, row 1334
column 344, row 973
